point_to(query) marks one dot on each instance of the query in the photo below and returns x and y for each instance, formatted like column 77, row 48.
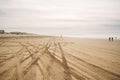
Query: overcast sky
column 60, row 16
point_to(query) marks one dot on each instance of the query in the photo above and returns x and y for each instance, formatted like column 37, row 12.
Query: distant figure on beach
column 112, row 38
column 109, row 38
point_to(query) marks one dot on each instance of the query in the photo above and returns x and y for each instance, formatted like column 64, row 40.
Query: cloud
column 52, row 14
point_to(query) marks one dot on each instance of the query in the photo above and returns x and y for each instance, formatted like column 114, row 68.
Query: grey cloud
column 34, row 15
column 2, row 13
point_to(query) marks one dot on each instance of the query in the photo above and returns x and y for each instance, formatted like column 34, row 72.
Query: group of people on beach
column 112, row 39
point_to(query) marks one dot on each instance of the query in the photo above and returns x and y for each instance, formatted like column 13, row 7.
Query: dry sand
column 53, row 58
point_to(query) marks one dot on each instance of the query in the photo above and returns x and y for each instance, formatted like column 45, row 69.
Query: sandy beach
column 58, row 58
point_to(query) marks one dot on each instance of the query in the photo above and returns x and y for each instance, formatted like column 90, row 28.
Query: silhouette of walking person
column 112, row 38
column 109, row 39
